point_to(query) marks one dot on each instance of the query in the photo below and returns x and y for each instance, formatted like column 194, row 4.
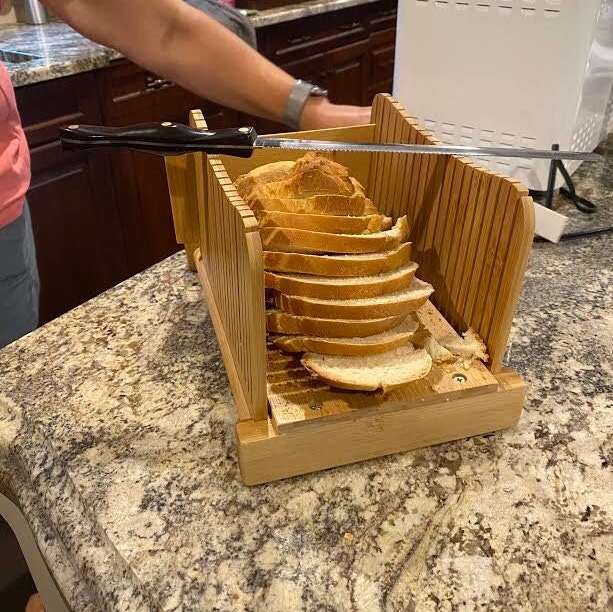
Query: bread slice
column 470, row 346
column 436, row 350
column 328, row 288
column 400, row 302
column 369, row 345
column 385, row 371
column 338, row 266
column 304, row 241
column 276, row 171
column 332, row 224
column 283, row 323
column 321, row 204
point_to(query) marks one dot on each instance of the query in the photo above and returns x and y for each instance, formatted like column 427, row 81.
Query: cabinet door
column 78, row 239
column 345, row 74
column 76, row 226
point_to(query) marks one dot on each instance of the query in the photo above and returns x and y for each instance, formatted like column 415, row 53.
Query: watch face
column 319, row 91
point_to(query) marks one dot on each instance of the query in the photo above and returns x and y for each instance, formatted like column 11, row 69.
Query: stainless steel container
column 32, row 12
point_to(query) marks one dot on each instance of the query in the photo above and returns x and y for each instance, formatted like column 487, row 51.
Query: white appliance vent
column 523, row 73
column 527, row 8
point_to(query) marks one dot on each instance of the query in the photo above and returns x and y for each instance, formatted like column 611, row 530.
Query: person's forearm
column 180, row 43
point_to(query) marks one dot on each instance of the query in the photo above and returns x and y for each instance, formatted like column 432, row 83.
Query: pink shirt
column 14, row 154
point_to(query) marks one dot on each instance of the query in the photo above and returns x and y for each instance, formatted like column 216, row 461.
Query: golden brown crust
column 329, row 346
column 302, row 307
column 321, row 204
column 338, row 265
column 275, row 171
column 334, row 224
column 335, row 289
column 284, row 323
column 305, row 241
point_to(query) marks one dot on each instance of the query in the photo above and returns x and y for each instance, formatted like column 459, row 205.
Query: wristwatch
column 301, row 92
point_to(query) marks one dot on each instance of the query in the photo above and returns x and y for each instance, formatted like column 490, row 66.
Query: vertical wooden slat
column 470, row 245
column 471, row 231
column 458, row 272
column 236, row 279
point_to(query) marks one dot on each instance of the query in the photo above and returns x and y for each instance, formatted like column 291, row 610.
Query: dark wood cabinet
column 345, row 74
column 76, row 227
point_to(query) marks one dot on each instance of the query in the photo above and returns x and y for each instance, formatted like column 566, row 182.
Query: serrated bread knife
column 176, row 139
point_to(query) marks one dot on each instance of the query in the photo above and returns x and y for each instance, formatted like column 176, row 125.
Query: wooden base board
column 265, row 455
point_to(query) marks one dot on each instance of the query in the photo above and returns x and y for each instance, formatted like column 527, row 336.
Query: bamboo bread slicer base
column 471, row 233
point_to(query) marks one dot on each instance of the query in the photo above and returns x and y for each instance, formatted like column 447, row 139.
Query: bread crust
column 334, row 289
column 334, row 224
column 284, row 323
column 400, row 335
column 304, row 241
column 403, row 303
column 338, row 266
column 316, row 364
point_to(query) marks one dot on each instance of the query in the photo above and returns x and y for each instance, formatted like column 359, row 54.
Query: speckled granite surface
column 302, row 9
column 61, row 51
column 116, row 431
column 116, row 440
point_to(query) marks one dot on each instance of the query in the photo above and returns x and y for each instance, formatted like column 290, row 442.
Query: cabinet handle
column 350, row 26
column 300, row 39
column 388, row 13
column 152, row 83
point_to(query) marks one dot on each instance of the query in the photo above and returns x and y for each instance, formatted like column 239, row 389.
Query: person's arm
column 182, row 44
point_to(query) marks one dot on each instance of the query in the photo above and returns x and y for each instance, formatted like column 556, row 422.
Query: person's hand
column 320, row 113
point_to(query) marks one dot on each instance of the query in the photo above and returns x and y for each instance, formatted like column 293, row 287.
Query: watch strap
column 296, row 101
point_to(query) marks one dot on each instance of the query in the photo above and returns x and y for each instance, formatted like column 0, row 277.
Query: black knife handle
column 160, row 138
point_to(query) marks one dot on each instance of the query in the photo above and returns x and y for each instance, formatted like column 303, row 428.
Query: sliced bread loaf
column 332, row 224
column 283, row 323
column 338, row 266
column 369, row 345
column 400, row 302
column 329, row 288
column 385, row 371
column 304, row 241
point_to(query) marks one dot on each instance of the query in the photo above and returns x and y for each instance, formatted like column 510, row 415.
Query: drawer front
column 294, row 40
column 130, row 94
column 68, row 100
column 383, row 15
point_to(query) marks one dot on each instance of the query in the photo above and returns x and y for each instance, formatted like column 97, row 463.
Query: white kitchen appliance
column 520, row 73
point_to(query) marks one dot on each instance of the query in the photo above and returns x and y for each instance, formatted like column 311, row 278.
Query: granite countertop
column 63, row 52
column 116, row 441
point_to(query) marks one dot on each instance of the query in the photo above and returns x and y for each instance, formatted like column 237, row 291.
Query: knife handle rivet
column 167, row 124
column 74, row 126
column 244, row 130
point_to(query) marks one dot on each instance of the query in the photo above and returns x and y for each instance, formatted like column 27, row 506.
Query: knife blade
column 177, row 139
